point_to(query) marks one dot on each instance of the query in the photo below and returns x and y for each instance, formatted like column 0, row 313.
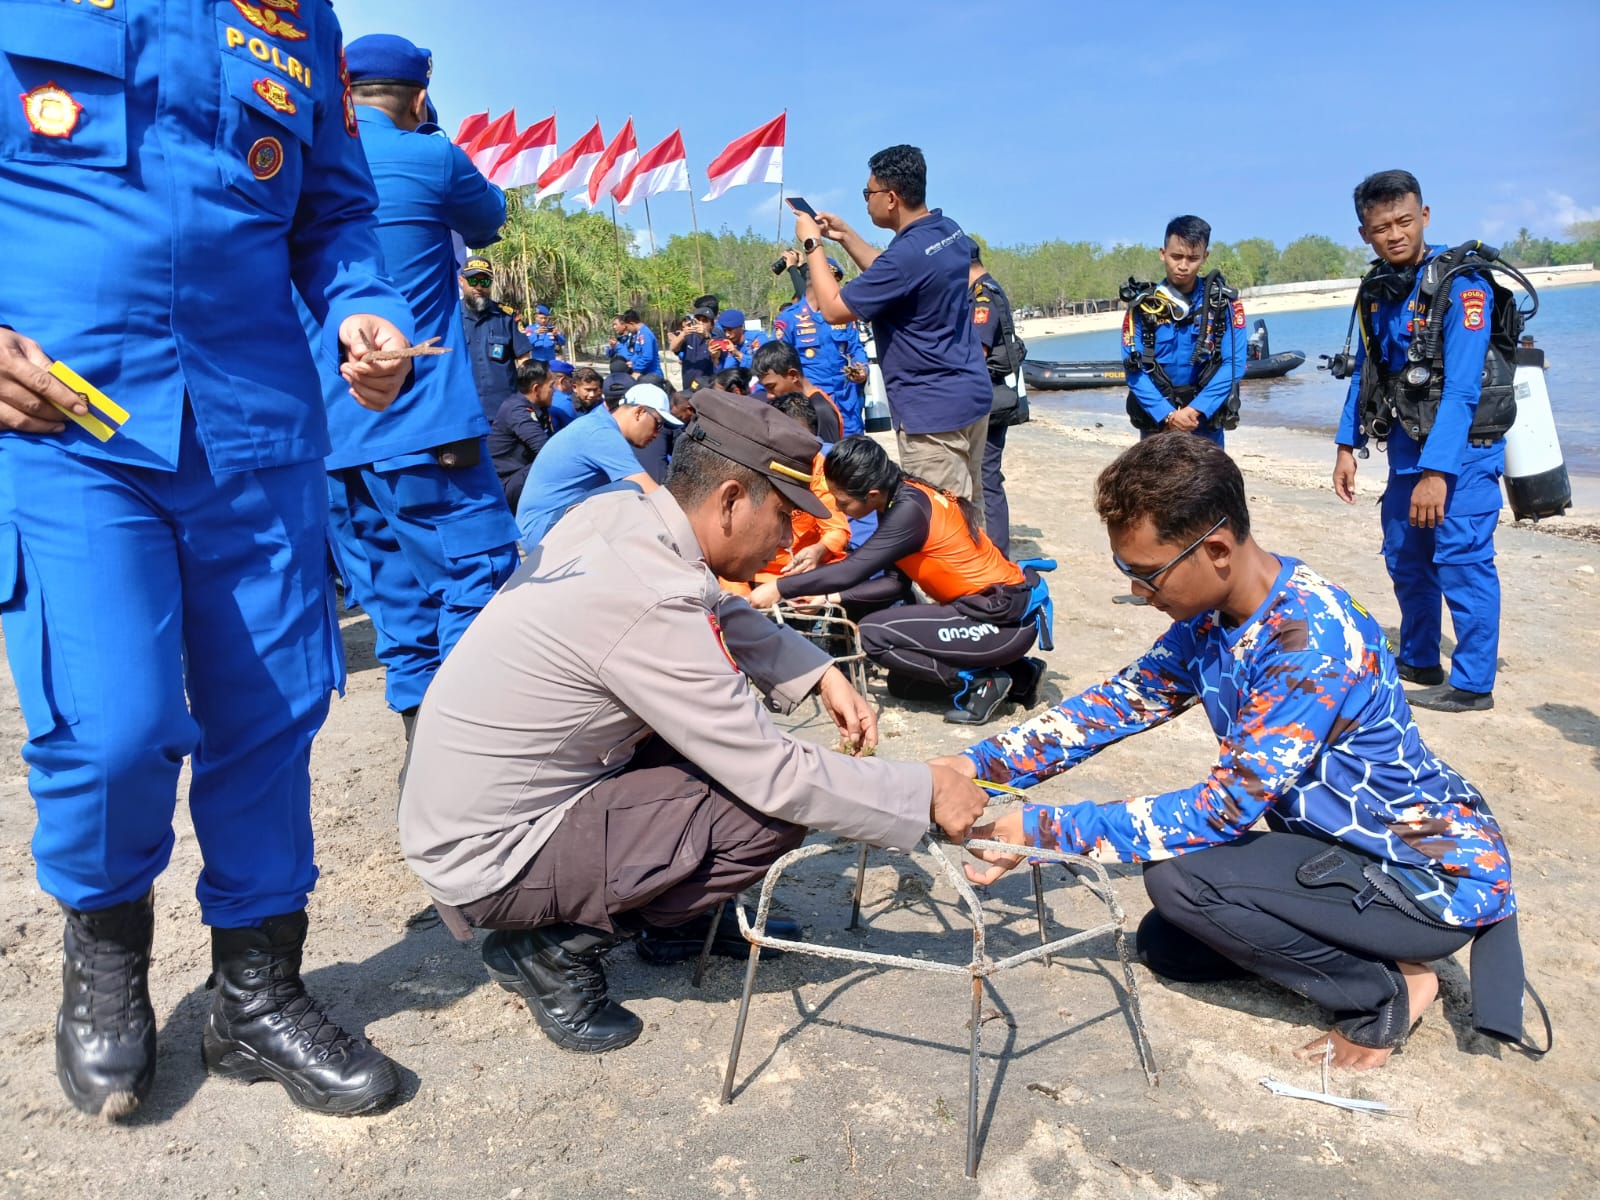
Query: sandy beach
column 852, row 1082
column 1311, row 295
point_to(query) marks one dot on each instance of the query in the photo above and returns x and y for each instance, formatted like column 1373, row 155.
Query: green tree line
column 587, row 270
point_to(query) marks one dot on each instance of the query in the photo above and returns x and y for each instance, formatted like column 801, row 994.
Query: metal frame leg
column 861, row 884
column 1038, row 908
column 738, row 1028
column 972, row 1079
column 705, row 947
column 1147, row 1054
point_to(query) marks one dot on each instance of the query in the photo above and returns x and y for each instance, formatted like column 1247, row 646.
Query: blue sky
column 1097, row 122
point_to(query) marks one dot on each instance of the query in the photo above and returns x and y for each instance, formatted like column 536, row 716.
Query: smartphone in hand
column 801, row 205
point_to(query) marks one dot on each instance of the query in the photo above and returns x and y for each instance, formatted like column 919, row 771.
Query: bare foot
column 1422, row 989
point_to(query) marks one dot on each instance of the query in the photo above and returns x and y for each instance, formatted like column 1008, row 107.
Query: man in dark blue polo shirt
column 915, row 294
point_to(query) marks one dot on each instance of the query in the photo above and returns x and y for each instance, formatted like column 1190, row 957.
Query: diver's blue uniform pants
column 125, row 590
column 1455, row 560
column 422, row 549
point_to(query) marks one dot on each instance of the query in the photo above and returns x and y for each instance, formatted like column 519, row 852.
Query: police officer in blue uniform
column 495, row 342
column 1184, row 343
column 827, row 352
column 419, row 522
column 1442, row 500
column 163, row 513
column 545, row 341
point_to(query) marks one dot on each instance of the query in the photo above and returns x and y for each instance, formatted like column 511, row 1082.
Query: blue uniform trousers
column 1455, row 560
column 125, row 589
column 421, row 549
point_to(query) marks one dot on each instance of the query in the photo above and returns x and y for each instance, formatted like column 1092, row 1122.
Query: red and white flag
column 662, row 168
column 757, row 157
column 572, row 167
column 525, row 159
column 485, row 149
column 614, row 165
column 471, row 127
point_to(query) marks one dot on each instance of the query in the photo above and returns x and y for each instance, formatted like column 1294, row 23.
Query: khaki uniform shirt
column 614, row 629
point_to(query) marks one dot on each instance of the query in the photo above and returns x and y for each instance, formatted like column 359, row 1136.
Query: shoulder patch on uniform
column 1127, row 329
column 722, row 641
column 1238, row 314
column 980, row 314
column 506, row 308
column 1472, row 301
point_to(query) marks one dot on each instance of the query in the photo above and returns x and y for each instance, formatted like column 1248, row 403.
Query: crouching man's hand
column 858, row 724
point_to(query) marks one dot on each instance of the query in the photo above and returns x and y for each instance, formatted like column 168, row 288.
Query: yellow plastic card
column 105, row 415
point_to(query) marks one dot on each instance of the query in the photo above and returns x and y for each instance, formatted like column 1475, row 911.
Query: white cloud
column 1546, row 215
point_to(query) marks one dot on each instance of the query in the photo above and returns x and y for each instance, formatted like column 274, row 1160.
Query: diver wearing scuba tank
column 1419, row 390
column 1184, row 343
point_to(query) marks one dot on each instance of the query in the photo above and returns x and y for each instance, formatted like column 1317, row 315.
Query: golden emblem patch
column 51, row 110
column 1472, row 302
column 265, row 158
column 268, row 21
column 275, row 94
column 289, row 6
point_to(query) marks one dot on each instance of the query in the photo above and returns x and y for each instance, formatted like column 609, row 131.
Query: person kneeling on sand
column 592, row 763
column 1377, row 857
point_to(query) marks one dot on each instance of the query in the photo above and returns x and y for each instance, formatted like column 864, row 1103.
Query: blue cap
column 388, row 58
column 833, row 265
column 732, row 319
column 560, row 366
column 542, row 310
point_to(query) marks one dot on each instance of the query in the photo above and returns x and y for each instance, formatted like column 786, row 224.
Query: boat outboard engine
column 875, row 409
column 1536, row 475
column 1257, row 347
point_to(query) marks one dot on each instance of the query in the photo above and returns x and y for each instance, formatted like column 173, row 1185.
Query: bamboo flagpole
column 649, row 228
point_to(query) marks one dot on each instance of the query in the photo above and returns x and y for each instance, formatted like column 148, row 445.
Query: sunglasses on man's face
column 1150, row 580
column 479, row 281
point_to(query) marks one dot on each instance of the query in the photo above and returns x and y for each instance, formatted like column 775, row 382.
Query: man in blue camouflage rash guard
column 1377, row 857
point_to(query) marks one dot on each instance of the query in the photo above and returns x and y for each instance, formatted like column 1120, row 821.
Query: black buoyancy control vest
column 1410, row 397
column 1214, row 311
column 1006, row 354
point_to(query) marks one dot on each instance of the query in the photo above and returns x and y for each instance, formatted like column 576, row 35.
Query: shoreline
column 1318, row 294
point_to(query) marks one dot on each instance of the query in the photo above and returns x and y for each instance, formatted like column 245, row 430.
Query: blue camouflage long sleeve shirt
column 1306, row 704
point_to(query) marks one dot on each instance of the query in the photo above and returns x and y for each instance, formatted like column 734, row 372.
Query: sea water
column 1567, row 329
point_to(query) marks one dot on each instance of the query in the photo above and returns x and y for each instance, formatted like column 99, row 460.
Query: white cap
column 648, row 395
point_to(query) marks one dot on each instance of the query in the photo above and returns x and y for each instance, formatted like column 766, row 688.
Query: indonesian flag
column 614, row 164
column 486, row 148
column 471, row 127
column 526, row 158
column 663, row 168
column 757, row 157
column 571, row 169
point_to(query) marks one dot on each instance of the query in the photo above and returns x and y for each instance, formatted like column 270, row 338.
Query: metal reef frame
column 828, row 622
column 980, row 967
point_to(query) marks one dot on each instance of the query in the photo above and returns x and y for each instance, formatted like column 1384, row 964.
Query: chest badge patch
column 275, row 94
column 51, row 110
column 265, row 158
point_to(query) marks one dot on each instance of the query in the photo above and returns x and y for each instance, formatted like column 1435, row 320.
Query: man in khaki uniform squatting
column 592, row 763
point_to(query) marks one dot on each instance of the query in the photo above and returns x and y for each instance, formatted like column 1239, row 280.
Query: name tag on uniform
column 105, row 415
column 497, row 351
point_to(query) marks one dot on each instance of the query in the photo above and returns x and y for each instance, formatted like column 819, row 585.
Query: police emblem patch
column 288, row 6
column 275, row 94
column 350, row 126
column 51, row 110
column 980, row 315
column 269, row 22
column 1472, row 301
column 1238, row 315
column 265, row 158
column 1127, row 330
column 722, row 641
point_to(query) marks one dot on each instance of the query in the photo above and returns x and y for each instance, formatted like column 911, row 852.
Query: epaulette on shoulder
column 506, row 308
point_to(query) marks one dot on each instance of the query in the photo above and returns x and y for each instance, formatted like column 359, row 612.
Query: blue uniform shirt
column 644, row 355
column 589, row 453
column 182, row 197
column 1475, row 470
column 427, row 187
column 695, row 355
column 544, row 344
column 915, row 295
column 562, row 410
column 1175, row 351
column 494, row 344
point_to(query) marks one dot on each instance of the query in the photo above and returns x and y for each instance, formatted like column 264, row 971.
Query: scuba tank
column 875, row 412
column 1536, row 475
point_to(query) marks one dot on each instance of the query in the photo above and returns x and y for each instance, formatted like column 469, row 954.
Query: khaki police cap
column 754, row 434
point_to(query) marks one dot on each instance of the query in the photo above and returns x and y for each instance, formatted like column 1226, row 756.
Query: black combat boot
column 557, row 970
column 262, row 1025
column 106, row 1029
